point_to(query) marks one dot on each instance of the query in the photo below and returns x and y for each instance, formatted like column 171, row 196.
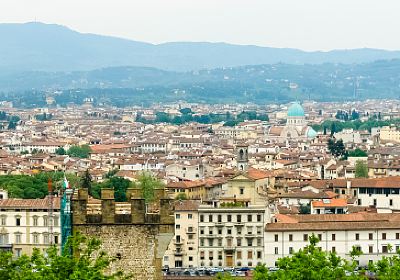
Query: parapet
column 135, row 211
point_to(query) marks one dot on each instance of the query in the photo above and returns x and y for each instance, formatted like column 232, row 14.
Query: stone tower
column 242, row 157
column 136, row 234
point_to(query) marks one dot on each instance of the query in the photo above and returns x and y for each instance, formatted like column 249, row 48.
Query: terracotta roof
column 362, row 221
column 187, row 205
column 17, row 203
column 335, row 202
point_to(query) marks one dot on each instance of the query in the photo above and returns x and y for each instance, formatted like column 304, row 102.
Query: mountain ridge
column 37, row 46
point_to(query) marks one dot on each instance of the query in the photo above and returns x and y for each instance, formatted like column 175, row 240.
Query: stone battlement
column 135, row 233
column 134, row 211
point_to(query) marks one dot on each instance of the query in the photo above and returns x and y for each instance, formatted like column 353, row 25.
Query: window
column 210, row 218
column 46, row 238
column 258, row 218
column 276, row 238
column 333, row 250
column 259, row 241
column 18, row 238
column 383, row 236
column 259, row 254
column 241, row 190
column 201, row 255
column 371, row 236
column 239, row 218
column 370, row 249
column 397, row 235
column 190, row 248
column 177, row 216
column 259, row 230
column 35, row 221
column 239, row 242
column 229, row 231
column 219, row 231
column 320, row 237
column 177, row 226
column 239, row 255
column 229, row 218
column 18, row 221
column 220, row 242
column 190, row 258
column 391, row 202
column 384, row 248
column 4, row 238
column 249, row 242
column 249, row 218
column 3, row 220
column 220, row 255
column 190, row 216
column 201, row 230
column 290, row 250
column 45, row 221
column 290, row 237
column 375, row 204
column 249, row 254
column 35, row 238
column 357, row 236
column 202, row 218
column 219, row 219
column 18, row 252
column 305, row 237
column 333, row 237
column 276, row 250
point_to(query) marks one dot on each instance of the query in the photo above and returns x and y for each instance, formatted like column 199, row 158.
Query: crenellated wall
column 137, row 239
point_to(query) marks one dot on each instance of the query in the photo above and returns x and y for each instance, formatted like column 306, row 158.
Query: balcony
column 229, row 248
column 178, row 241
column 178, row 253
column 191, row 230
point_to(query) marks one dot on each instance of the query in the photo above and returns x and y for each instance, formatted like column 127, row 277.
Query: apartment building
column 231, row 236
column 373, row 233
column 25, row 224
column 183, row 249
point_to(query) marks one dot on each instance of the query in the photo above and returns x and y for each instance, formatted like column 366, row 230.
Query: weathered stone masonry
column 138, row 240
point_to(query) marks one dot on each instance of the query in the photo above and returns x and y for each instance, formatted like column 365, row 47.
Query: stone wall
column 137, row 240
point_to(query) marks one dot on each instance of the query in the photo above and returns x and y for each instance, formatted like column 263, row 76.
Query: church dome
column 295, row 110
column 311, row 133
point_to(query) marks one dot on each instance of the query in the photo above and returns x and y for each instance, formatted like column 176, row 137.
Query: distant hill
column 48, row 47
column 122, row 86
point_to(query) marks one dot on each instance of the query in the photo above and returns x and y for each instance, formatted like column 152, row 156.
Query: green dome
column 311, row 133
column 295, row 110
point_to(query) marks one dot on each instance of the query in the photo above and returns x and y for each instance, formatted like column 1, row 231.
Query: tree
column 60, row 151
column 79, row 151
column 119, row 184
column 336, row 148
column 181, row 196
column 361, row 169
column 147, row 183
column 357, row 153
column 310, row 263
column 86, row 181
column 81, row 259
column 305, row 209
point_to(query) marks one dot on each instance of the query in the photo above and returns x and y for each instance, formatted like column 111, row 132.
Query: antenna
column 50, row 220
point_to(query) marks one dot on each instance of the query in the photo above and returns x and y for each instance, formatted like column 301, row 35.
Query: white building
column 24, row 225
column 370, row 232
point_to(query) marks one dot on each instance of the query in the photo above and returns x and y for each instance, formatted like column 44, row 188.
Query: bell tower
column 242, row 157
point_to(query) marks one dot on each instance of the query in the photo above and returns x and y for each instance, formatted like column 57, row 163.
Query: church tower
column 242, row 157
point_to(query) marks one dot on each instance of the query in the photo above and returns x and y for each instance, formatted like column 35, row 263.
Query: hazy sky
column 304, row 24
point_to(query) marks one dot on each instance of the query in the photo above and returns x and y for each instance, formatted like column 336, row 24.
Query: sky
column 304, row 24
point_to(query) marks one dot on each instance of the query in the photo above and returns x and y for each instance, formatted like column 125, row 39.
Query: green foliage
column 357, row 153
column 355, row 124
column 181, row 196
column 43, row 117
column 336, row 148
column 79, row 151
column 119, row 184
column 305, row 209
column 147, row 183
column 232, row 204
column 60, row 151
column 90, row 263
column 86, row 181
column 24, row 186
column 361, row 169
